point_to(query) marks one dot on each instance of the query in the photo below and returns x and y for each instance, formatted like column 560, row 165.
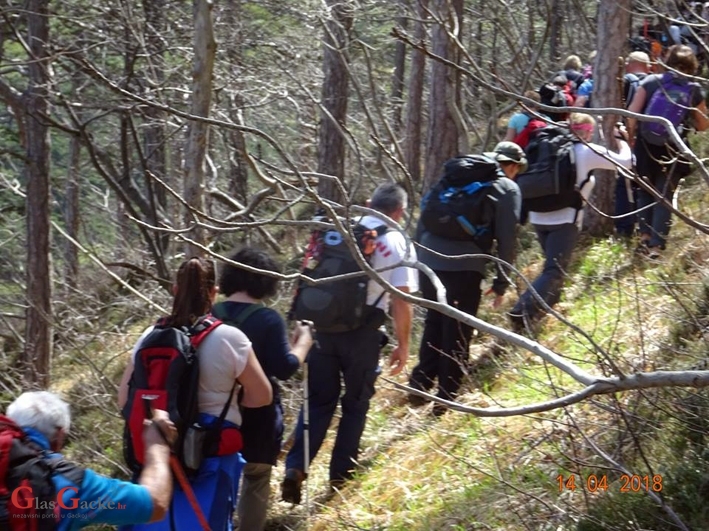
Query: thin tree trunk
column 36, row 358
column 397, row 78
column 442, row 138
column 202, row 71
column 71, row 215
column 331, row 142
column 613, row 18
column 414, row 101
column 154, row 131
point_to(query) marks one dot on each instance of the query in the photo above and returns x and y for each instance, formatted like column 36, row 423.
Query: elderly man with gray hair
column 83, row 496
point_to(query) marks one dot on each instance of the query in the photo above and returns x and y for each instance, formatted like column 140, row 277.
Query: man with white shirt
column 353, row 356
column 558, row 230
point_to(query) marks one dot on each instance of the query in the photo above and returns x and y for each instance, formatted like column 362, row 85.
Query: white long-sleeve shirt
column 589, row 157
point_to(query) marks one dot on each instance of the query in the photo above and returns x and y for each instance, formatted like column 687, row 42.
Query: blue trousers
column 558, row 242
column 351, row 358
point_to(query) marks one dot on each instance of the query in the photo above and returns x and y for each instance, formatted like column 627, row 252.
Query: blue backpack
column 455, row 208
column 672, row 99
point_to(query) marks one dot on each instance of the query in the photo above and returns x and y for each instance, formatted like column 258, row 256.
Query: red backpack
column 28, row 498
column 166, row 372
column 524, row 136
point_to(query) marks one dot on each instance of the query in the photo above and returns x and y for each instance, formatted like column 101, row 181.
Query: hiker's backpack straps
column 202, row 328
column 219, row 311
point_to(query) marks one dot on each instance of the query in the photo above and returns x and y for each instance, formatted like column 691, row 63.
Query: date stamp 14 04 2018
column 593, row 483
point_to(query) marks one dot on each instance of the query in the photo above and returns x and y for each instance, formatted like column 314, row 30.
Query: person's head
column 256, row 285
column 194, row 291
column 390, row 199
column 560, row 80
column 637, row 63
column 573, row 62
column 681, row 58
column 510, row 157
column 532, row 95
column 45, row 412
column 582, row 125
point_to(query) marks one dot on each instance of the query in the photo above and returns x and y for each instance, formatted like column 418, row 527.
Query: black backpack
column 166, row 372
column 554, row 96
column 456, row 207
column 550, row 181
column 340, row 305
column 27, row 472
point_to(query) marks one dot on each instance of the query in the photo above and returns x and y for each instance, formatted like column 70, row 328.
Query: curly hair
column 257, row 285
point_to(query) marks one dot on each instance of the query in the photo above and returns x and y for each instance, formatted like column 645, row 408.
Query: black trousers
column 445, row 342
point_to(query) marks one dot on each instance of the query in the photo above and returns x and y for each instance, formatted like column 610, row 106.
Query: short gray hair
column 388, row 198
column 42, row 411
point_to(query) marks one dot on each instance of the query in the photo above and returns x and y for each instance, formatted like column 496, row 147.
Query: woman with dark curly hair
column 261, row 428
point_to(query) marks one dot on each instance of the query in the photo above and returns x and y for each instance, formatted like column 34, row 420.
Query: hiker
column 572, row 70
column 261, row 428
column 84, row 496
column 354, row 355
column 658, row 160
column 445, row 341
column 587, row 70
column 637, row 67
column 228, row 369
column 523, row 123
column 557, row 230
column 558, row 92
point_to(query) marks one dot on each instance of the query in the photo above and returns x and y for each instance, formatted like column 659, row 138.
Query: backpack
column 25, row 465
column 550, row 181
column 523, row 137
column 166, row 371
column 631, row 82
column 555, row 96
column 455, row 208
column 340, row 305
column 672, row 99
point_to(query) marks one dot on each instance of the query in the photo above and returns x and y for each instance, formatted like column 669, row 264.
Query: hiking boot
column 416, row 400
column 337, row 485
column 292, row 486
column 654, row 253
column 438, row 410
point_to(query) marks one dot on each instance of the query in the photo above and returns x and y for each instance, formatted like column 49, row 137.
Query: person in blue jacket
column 89, row 498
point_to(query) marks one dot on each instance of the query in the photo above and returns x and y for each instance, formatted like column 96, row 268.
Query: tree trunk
column 613, row 19
column 412, row 137
column 154, row 131
column 71, row 215
column 36, row 358
column 202, row 71
column 331, row 142
column 442, row 138
column 556, row 21
column 397, row 78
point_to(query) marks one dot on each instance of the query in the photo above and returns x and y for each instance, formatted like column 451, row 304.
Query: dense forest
column 134, row 134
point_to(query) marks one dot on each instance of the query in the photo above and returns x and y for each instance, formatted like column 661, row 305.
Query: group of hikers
column 203, row 381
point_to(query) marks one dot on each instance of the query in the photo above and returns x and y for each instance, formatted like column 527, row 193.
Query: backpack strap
column 220, row 312
column 202, row 328
column 72, row 472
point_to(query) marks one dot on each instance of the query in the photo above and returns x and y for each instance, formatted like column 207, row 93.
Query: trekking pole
column 306, row 424
column 178, row 471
